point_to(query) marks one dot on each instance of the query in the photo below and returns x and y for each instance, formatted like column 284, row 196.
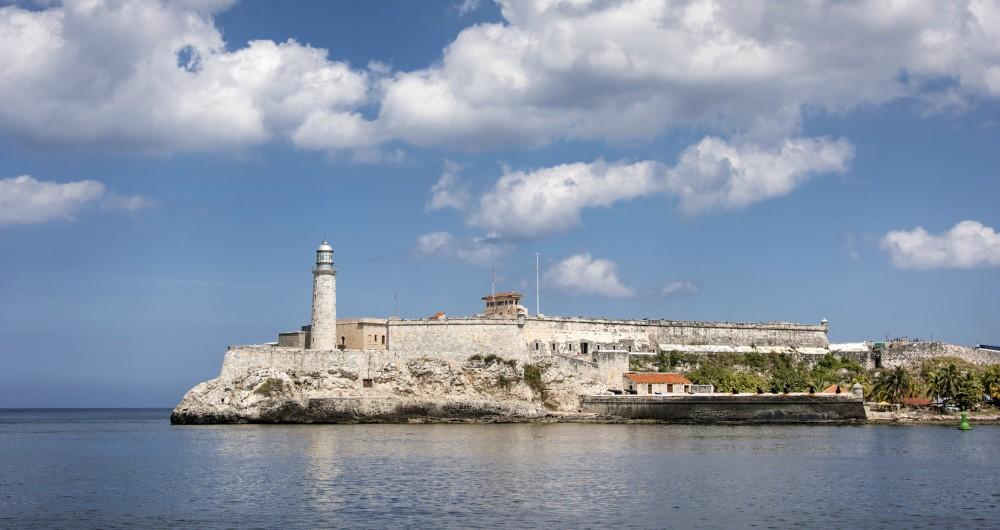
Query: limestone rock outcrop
column 421, row 389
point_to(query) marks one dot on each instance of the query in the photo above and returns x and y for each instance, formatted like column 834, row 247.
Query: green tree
column 892, row 385
column 832, row 370
column 991, row 381
column 943, row 383
column 793, row 375
column 969, row 393
column 662, row 361
column 712, row 372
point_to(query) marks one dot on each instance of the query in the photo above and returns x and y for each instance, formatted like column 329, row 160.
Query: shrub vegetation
column 271, row 387
column 533, row 378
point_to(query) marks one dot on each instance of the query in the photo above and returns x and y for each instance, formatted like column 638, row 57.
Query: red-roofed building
column 650, row 383
column 917, row 402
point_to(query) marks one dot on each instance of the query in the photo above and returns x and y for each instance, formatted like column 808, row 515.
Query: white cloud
column 966, row 245
column 582, row 274
column 157, row 75
column 129, row 203
column 468, row 6
column 710, row 175
column 24, row 200
column 449, row 191
column 474, row 250
column 679, row 288
column 549, row 200
column 633, row 69
column 714, row 174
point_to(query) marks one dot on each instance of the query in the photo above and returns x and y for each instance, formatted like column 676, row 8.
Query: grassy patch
column 533, row 378
column 272, row 387
column 491, row 359
column 505, row 382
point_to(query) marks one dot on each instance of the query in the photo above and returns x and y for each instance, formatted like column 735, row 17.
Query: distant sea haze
column 130, row 468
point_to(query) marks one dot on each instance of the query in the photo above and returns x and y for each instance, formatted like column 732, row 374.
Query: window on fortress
column 383, row 339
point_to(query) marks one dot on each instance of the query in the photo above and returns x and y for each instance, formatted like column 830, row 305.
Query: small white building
column 650, row 383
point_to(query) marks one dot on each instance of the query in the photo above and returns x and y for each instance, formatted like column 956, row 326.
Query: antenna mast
column 493, row 279
column 538, row 303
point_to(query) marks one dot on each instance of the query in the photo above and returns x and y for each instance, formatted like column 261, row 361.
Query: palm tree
column 944, row 383
column 991, row 381
column 970, row 392
column 893, row 386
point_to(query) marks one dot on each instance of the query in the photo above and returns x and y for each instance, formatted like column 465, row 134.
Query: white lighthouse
column 324, row 309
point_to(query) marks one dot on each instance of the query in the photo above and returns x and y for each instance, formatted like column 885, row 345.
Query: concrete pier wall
column 725, row 408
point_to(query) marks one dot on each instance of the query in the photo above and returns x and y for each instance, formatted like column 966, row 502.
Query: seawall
column 727, row 408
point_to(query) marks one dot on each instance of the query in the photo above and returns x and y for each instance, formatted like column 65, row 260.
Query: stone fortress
column 392, row 368
column 505, row 328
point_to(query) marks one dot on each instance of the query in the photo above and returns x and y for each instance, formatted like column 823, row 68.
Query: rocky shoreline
column 919, row 417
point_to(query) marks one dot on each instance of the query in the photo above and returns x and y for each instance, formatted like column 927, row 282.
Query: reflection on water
column 128, row 468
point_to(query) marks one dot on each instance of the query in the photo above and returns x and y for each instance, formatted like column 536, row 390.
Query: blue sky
column 166, row 172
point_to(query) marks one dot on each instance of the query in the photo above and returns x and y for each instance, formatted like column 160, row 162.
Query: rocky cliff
column 428, row 389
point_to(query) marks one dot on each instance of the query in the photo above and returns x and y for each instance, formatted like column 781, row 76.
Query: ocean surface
column 130, row 468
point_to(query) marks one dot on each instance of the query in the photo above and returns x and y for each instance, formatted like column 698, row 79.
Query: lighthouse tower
column 324, row 309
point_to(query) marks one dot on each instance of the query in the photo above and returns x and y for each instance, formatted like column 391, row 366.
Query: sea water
column 130, row 468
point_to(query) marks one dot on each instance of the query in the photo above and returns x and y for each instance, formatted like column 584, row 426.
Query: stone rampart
column 567, row 335
column 911, row 354
column 465, row 335
column 240, row 360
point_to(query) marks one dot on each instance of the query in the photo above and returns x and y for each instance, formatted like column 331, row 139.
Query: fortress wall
column 643, row 335
column 611, row 366
column 467, row 336
column 739, row 334
column 913, row 353
column 240, row 359
column 567, row 334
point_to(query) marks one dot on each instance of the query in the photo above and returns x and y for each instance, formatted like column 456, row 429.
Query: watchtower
column 504, row 305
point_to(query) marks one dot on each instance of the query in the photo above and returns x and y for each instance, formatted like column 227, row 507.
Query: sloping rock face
column 422, row 389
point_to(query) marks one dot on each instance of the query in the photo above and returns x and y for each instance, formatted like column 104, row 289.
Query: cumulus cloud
column 24, row 200
column 158, row 75
column 632, row 69
column 449, row 191
column 715, row 174
column 679, row 288
column 710, row 175
column 473, row 250
column 967, row 245
column 524, row 204
column 582, row 274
